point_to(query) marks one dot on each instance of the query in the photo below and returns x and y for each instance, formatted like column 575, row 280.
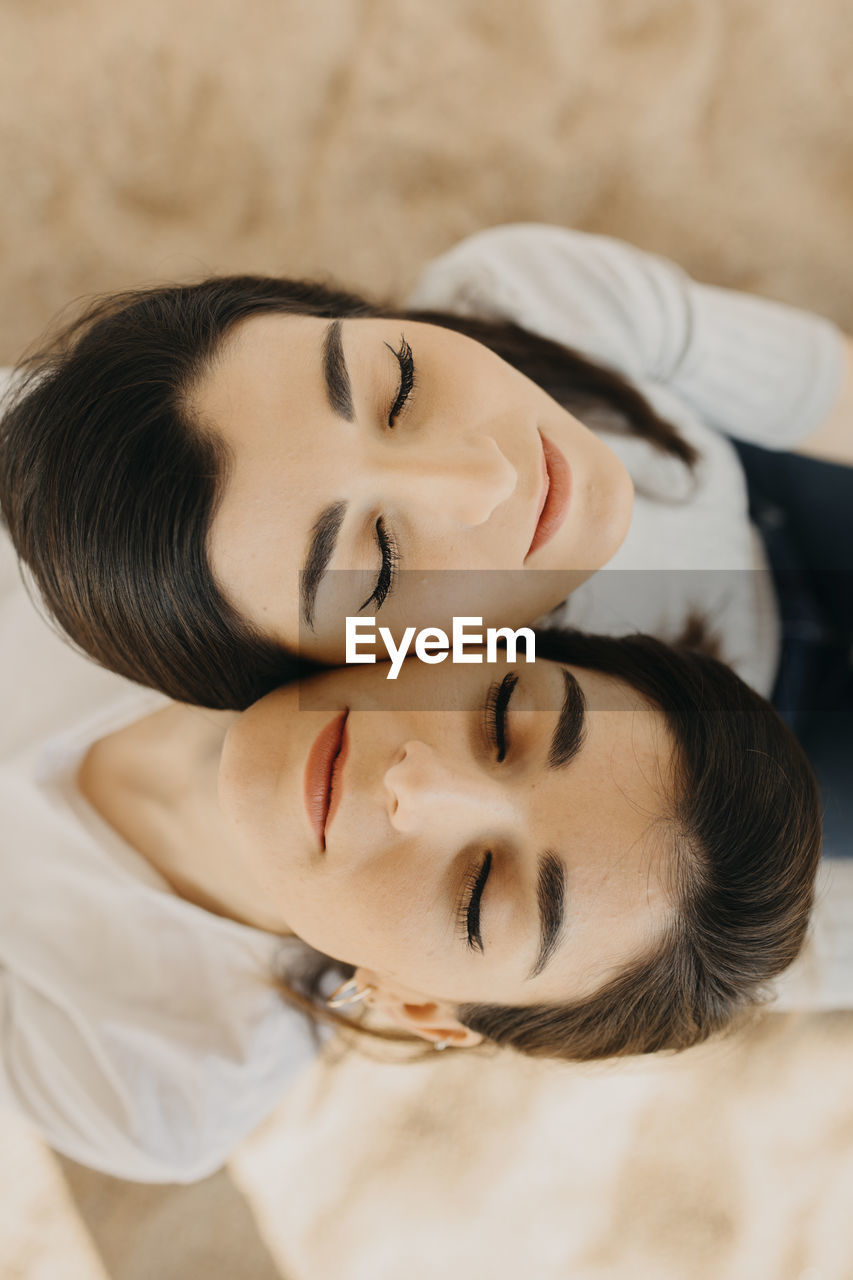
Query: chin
column 610, row 510
column 623, row 509
column 606, row 512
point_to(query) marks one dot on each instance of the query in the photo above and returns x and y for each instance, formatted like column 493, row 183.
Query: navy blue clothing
column 804, row 511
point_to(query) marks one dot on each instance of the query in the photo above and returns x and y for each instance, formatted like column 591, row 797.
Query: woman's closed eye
column 385, row 540
column 390, row 558
column 468, row 910
column 496, row 708
column 406, row 361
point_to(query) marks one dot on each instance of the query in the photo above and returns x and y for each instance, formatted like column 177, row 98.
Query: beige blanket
column 149, row 139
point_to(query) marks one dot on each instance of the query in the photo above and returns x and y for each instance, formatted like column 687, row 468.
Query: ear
column 407, row 1010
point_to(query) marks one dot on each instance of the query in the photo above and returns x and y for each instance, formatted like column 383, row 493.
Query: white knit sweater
column 715, row 363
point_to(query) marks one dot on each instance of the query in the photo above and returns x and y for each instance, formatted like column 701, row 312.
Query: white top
column 711, row 361
column 140, row 1033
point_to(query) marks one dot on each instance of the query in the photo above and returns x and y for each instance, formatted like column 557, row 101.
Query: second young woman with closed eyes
column 374, row 447
column 607, row 852
column 500, row 842
column 469, row 835
column 257, row 459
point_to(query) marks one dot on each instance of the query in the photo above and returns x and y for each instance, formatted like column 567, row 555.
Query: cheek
column 244, row 782
column 368, row 919
column 603, row 505
column 267, row 851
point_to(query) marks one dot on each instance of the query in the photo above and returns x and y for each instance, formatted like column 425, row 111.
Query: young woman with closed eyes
column 204, row 481
column 610, row 851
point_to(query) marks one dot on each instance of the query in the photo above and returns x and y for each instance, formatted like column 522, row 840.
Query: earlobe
column 432, row 1020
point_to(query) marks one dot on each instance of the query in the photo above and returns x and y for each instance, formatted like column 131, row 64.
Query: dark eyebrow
column 338, row 386
column 566, row 742
column 551, row 898
column 324, row 536
column 570, row 729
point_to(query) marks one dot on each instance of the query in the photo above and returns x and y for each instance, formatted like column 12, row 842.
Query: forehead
column 264, row 364
column 259, row 396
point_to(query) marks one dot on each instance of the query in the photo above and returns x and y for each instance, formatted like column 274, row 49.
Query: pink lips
column 322, row 771
column 554, row 500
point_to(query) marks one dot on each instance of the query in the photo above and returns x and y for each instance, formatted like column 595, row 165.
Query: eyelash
column 497, row 704
column 407, row 378
column 468, row 911
column 387, row 579
column 387, row 545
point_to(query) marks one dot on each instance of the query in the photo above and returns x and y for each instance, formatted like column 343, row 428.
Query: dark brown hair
column 745, row 818
column 108, row 487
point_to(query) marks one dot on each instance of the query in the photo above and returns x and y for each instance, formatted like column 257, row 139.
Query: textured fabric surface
column 358, row 138
column 362, row 137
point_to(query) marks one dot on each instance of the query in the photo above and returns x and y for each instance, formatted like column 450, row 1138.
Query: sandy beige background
column 151, row 139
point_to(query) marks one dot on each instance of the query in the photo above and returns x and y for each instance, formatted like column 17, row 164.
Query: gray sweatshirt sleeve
column 754, row 369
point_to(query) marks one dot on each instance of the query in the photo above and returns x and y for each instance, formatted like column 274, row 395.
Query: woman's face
column 509, row 847
column 365, row 449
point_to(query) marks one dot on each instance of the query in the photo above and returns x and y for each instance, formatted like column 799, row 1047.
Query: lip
column 554, row 498
column 323, row 770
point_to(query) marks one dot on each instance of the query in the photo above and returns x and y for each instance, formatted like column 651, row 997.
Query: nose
column 464, row 482
column 429, row 794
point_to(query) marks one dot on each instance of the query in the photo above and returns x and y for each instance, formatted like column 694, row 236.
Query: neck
column 155, row 782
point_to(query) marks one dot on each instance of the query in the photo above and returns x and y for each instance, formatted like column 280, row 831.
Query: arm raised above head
column 755, row 369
